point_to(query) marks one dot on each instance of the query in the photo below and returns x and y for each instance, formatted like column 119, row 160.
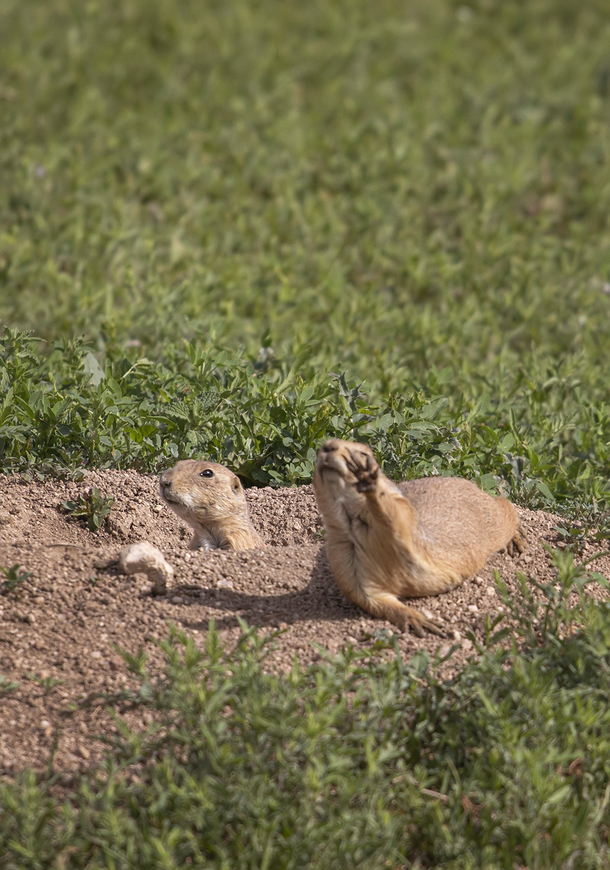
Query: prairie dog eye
column 207, row 472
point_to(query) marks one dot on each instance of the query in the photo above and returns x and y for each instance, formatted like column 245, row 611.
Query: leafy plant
column 47, row 684
column 591, row 526
column 267, row 426
column 91, row 505
column 14, row 579
column 547, row 611
column 6, row 685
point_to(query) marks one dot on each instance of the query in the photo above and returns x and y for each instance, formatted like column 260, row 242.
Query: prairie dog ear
column 236, row 484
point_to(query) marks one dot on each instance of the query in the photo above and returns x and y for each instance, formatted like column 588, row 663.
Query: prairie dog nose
column 329, row 446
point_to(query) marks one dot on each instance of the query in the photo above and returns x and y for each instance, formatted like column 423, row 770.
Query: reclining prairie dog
column 419, row 538
column 210, row 498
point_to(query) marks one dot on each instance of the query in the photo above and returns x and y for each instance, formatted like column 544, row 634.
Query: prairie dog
column 419, row 538
column 211, row 499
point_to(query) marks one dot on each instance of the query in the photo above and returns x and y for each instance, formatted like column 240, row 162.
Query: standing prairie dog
column 211, row 500
column 420, row 538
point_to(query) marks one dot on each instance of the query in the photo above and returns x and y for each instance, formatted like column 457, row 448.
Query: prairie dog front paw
column 365, row 469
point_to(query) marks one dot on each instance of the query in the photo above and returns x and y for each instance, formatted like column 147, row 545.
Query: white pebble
column 146, row 559
column 473, row 608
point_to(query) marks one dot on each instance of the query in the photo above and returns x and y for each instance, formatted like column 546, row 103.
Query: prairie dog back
column 456, row 515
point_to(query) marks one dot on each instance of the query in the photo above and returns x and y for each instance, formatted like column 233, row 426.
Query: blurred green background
column 424, row 181
column 414, row 193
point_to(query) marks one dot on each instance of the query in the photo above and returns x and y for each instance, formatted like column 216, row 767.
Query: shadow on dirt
column 320, row 600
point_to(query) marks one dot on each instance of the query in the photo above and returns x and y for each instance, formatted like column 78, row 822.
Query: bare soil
column 57, row 629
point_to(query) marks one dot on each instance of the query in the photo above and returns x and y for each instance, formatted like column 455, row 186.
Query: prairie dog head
column 211, row 499
column 338, row 479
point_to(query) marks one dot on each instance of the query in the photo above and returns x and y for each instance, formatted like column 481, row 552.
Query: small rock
column 143, row 557
column 444, row 650
column 176, row 600
column 351, row 639
column 490, row 591
column 466, row 644
column 225, row 584
column 40, row 599
column 83, row 752
column 427, row 613
column 96, row 654
column 29, row 618
column 472, row 608
column 39, row 644
column 187, row 556
column 455, row 634
column 158, row 508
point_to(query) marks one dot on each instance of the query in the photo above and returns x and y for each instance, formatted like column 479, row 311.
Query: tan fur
column 214, row 506
column 414, row 539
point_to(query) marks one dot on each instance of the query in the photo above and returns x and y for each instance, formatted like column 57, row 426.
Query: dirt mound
column 58, row 625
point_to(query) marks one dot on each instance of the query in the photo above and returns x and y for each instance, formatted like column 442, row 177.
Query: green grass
column 365, row 761
column 396, row 185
